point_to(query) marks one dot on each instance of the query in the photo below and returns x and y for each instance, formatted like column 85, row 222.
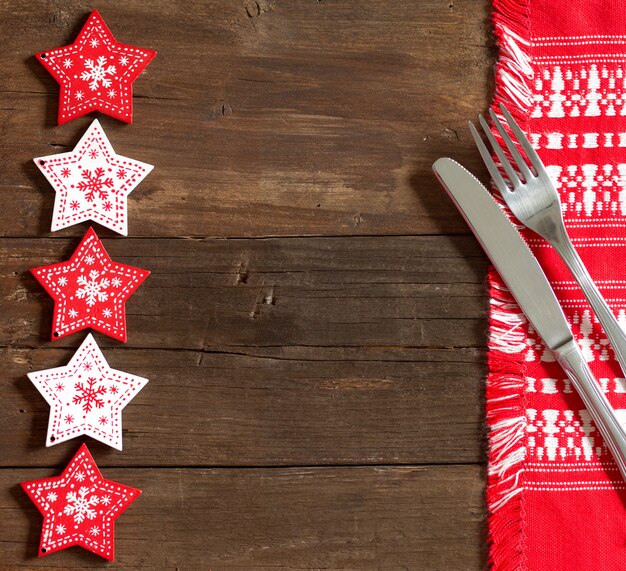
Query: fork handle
column 570, row 357
column 612, row 329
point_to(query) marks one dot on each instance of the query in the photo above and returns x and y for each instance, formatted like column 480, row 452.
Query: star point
column 91, row 68
column 88, row 184
column 86, row 396
column 87, row 284
column 79, row 507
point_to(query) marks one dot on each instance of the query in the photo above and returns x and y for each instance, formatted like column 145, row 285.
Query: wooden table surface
column 314, row 327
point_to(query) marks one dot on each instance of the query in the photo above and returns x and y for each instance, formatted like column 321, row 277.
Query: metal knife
column 525, row 279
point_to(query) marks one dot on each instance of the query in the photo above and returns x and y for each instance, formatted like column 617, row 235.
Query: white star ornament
column 92, row 182
column 86, row 396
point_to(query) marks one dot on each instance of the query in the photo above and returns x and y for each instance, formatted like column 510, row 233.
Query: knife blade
column 525, row 279
column 507, row 251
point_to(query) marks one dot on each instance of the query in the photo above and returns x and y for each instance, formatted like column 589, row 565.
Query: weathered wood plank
column 307, row 118
column 300, row 351
column 216, row 409
column 428, row 518
column 203, row 294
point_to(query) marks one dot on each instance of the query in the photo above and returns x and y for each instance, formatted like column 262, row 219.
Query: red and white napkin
column 556, row 499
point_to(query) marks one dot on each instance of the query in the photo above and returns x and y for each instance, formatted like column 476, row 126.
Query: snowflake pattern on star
column 89, row 395
column 83, row 512
column 96, row 72
column 92, row 182
column 81, row 505
column 93, row 288
column 94, row 394
column 93, row 283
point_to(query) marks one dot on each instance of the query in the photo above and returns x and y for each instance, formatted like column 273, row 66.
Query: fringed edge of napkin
column 506, row 410
column 506, row 419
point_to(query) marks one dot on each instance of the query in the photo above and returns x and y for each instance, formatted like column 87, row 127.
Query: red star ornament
column 96, row 72
column 86, row 396
column 90, row 290
column 79, row 507
column 92, row 182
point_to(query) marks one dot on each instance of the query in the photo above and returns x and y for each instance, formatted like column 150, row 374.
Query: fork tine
column 523, row 140
column 506, row 165
column 517, row 157
column 488, row 160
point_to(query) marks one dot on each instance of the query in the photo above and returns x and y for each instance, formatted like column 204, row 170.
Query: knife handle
column 570, row 357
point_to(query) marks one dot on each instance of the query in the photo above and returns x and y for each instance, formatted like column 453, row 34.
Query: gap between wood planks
column 335, row 466
column 210, row 351
column 263, row 237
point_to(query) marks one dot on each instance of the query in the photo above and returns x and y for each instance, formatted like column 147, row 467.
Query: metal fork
column 535, row 202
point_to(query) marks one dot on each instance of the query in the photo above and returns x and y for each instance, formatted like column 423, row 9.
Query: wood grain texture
column 202, row 294
column 412, row 517
column 310, row 118
column 226, row 409
column 314, row 325
column 278, row 351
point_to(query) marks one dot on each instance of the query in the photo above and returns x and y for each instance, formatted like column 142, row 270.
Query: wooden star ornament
column 86, row 396
column 79, row 507
column 90, row 290
column 92, row 182
column 96, row 72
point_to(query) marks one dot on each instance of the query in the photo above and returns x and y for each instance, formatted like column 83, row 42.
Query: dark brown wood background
column 314, row 325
